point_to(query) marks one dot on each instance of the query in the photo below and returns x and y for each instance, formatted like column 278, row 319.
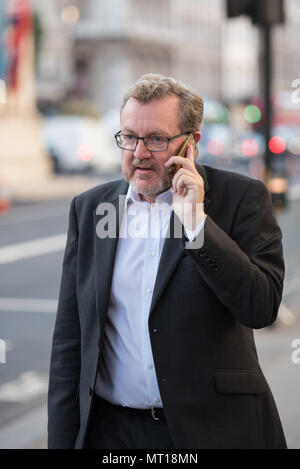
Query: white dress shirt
column 126, row 374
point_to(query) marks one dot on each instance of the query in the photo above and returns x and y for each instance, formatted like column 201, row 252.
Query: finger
column 186, row 163
column 184, row 181
column 190, row 153
column 178, row 174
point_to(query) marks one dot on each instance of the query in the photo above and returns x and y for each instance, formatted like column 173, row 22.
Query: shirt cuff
column 192, row 235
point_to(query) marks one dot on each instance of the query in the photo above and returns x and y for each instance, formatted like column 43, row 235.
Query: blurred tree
column 3, row 25
column 37, row 37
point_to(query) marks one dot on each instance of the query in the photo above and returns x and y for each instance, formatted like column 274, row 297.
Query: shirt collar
column 165, row 197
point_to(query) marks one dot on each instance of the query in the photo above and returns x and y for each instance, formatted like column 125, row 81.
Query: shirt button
column 158, row 401
column 148, row 290
column 152, row 254
column 150, row 367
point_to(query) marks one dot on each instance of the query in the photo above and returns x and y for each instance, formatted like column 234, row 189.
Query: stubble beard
column 151, row 190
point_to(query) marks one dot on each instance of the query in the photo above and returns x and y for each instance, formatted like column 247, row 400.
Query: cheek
column 163, row 169
column 126, row 161
column 160, row 163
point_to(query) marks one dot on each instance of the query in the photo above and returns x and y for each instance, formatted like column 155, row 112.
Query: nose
column 141, row 151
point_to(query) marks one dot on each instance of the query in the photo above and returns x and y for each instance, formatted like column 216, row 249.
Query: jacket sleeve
column 246, row 269
column 63, row 405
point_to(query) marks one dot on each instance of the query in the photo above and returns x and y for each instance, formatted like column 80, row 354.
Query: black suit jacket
column 205, row 305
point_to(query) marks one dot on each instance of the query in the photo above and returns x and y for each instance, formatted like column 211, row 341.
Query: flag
column 20, row 18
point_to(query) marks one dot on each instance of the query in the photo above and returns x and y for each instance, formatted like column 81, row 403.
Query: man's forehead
column 161, row 104
column 163, row 111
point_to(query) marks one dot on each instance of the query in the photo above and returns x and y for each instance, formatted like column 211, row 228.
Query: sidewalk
column 27, row 432
column 55, row 187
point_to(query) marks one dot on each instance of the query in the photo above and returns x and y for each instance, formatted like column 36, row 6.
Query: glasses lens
column 128, row 142
column 156, row 143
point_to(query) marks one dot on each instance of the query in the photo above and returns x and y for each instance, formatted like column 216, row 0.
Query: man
column 153, row 344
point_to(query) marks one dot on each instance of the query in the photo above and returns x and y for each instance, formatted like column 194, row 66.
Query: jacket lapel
column 105, row 249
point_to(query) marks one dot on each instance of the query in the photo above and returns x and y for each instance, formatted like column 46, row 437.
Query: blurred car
column 78, row 144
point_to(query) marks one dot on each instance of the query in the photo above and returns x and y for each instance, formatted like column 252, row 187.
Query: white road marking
column 28, row 305
column 36, row 247
column 2, row 351
column 26, row 387
column 286, row 316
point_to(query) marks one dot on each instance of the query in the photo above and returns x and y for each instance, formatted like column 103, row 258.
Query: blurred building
column 119, row 40
column 94, row 49
column 287, row 48
column 240, row 48
column 55, row 67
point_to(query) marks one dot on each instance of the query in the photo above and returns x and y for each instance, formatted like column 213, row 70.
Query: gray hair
column 155, row 86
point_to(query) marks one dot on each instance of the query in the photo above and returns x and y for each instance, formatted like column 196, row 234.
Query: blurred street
column 27, row 321
column 24, row 381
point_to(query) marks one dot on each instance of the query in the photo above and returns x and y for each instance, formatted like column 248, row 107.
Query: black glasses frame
column 169, row 139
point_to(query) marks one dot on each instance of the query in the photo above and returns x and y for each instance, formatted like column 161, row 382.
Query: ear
column 197, row 136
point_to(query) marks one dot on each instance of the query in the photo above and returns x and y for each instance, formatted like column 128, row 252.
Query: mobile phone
column 182, row 152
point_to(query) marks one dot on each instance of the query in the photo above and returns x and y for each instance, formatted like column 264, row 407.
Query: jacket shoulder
column 229, row 181
column 92, row 197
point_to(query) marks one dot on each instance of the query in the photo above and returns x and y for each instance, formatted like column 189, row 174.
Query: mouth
column 143, row 170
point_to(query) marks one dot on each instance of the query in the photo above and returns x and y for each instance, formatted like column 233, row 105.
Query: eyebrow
column 160, row 133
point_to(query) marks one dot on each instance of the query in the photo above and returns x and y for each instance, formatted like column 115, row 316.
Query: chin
column 148, row 188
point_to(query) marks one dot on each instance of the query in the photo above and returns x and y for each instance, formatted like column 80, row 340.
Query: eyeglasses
column 152, row 143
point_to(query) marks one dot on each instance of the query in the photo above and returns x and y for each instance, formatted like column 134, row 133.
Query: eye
column 155, row 140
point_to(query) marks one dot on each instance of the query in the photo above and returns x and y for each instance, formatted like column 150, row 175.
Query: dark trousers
column 116, row 427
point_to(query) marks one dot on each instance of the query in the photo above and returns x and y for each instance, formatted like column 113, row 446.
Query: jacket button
column 90, row 391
